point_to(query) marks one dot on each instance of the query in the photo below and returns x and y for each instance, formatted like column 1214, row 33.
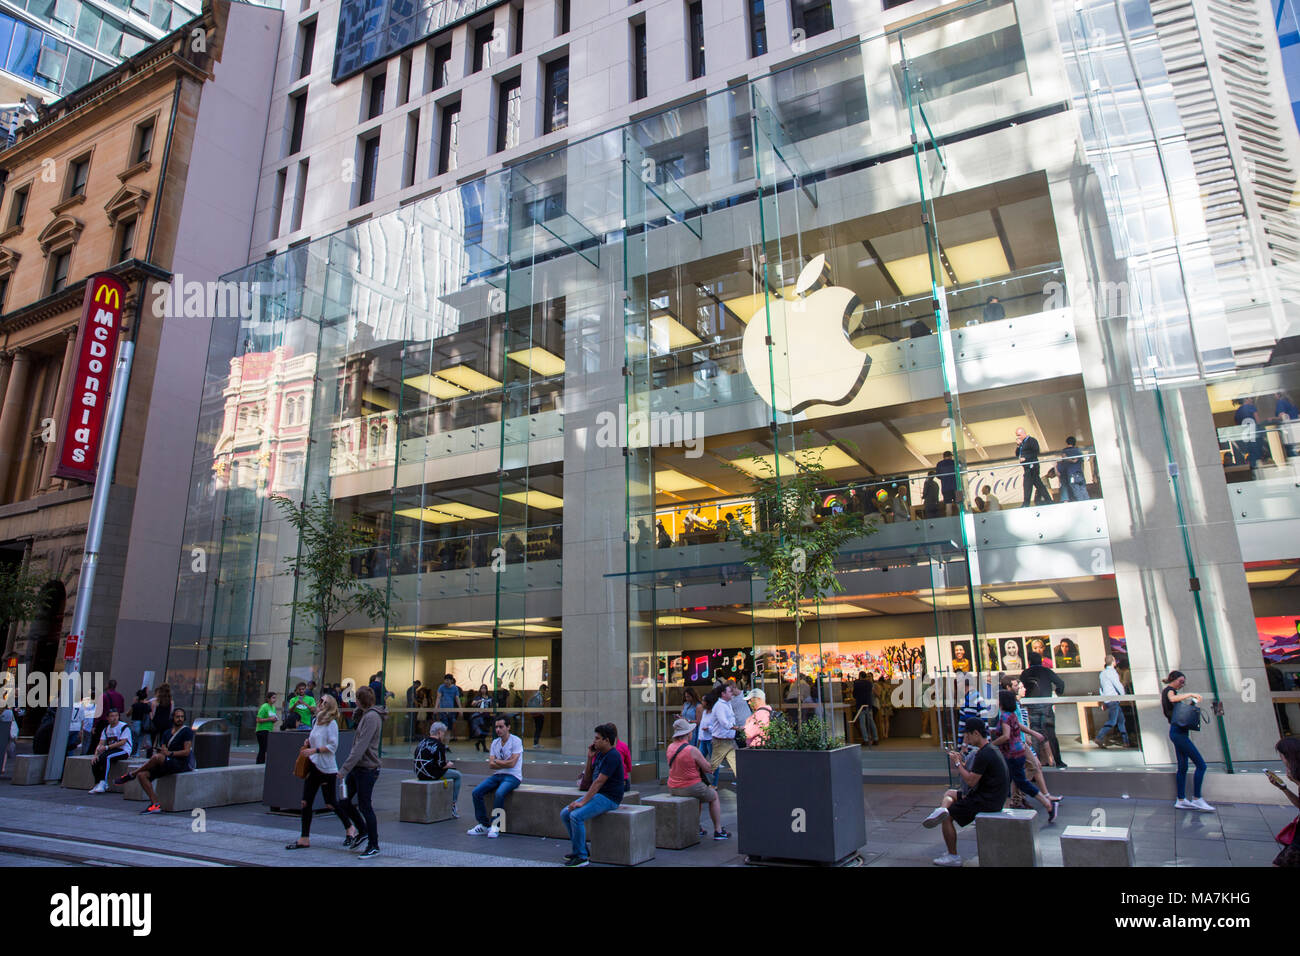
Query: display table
column 281, row 790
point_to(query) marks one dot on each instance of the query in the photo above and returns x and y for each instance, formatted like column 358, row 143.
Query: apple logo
column 812, row 361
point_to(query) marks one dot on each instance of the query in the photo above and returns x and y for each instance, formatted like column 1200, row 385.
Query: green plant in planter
column 792, row 549
column 810, row 734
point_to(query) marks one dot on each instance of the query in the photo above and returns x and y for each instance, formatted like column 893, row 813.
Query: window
column 375, row 97
column 50, row 64
column 306, row 47
column 449, row 137
column 563, row 15
column 557, row 95
column 299, row 197
column 757, row 28
column 509, row 107
column 18, row 206
column 277, row 202
column 440, row 74
column 298, row 117
column 482, row 47
column 59, row 263
column 369, row 168
column 78, row 172
column 519, row 31
column 125, row 240
column 412, row 143
column 404, row 80
column 812, row 16
column 143, row 142
column 695, row 24
column 4, row 291
column 639, row 79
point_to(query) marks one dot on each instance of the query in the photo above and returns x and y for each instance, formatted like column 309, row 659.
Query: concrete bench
column 625, row 836
column 117, row 769
column 1099, row 846
column 425, row 801
column 1007, row 838
column 206, row 788
column 28, row 769
column 77, row 774
column 677, row 820
column 534, row 809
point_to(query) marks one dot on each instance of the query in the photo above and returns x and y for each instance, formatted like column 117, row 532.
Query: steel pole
column 90, row 556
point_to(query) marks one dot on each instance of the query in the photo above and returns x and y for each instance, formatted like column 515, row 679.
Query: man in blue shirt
column 1288, row 415
column 1248, row 447
column 605, row 793
column 1074, row 486
column 947, row 472
column 448, row 702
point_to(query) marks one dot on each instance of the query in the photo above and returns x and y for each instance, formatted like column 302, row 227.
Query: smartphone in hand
column 1275, row 780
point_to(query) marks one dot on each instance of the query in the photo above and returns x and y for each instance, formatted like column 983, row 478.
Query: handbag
column 302, row 766
column 1187, row 716
column 1287, row 835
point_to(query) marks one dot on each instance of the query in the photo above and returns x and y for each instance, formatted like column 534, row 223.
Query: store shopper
column 449, row 701
column 691, row 712
column 174, row 754
column 360, row 771
column 1110, row 684
column 722, row 729
column 1041, row 681
column 1010, row 740
column 323, row 773
column 265, row 724
column 605, row 793
column 431, row 762
column 506, row 761
column 759, row 718
column 687, row 768
column 140, row 719
column 988, row 782
column 864, row 698
column 1027, row 451
column 1289, row 749
column 1180, row 737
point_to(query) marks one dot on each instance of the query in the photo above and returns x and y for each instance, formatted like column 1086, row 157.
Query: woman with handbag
column 1184, row 717
column 1289, row 749
column 319, row 771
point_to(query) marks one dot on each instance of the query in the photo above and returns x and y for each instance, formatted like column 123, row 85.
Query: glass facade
column 373, row 30
column 945, row 262
column 1287, row 21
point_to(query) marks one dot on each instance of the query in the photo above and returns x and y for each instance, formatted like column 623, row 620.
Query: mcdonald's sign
column 86, row 398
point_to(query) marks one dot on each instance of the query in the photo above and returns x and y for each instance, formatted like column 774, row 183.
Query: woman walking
column 1180, row 737
column 1289, row 749
column 322, row 772
column 690, row 710
column 1010, row 740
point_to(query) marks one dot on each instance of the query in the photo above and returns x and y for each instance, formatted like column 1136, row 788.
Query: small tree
column 328, row 591
column 22, row 595
column 792, row 548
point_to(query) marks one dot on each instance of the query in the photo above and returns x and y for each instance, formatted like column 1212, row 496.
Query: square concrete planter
column 804, row 805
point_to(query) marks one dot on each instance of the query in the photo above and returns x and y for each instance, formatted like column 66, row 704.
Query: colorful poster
column 1013, row 654
column 961, row 659
column 1279, row 639
column 992, row 654
column 1066, row 655
column 1040, row 645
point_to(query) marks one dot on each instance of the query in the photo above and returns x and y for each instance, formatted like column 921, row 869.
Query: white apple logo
column 812, row 361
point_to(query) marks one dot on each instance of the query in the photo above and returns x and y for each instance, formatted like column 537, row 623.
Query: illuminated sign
column 86, row 398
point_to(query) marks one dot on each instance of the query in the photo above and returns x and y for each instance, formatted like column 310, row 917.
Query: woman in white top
column 322, row 773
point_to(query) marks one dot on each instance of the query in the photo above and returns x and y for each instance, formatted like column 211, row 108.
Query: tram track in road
column 87, row 851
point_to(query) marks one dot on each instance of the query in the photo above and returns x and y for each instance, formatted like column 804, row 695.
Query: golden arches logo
column 109, row 296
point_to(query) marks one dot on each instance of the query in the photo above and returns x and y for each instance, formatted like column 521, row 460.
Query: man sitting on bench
column 175, row 755
column 114, row 743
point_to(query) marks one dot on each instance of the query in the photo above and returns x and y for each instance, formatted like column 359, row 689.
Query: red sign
column 71, row 645
column 87, row 396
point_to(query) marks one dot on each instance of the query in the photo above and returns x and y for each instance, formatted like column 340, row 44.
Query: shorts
column 171, row 765
column 700, row 791
column 963, row 810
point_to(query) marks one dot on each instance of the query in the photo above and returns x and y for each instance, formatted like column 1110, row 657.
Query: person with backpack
column 760, row 716
column 1180, row 727
column 686, row 770
column 431, row 762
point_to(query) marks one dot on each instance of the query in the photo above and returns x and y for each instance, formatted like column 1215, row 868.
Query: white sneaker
column 1184, row 804
column 477, row 830
column 926, row 736
column 948, row 859
column 1199, row 803
column 101, row 787
column 494, row 833
column 934, row 819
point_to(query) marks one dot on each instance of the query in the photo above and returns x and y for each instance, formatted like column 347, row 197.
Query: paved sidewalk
column 107, row 826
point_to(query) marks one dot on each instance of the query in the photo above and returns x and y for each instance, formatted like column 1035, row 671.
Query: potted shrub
column 799, row 795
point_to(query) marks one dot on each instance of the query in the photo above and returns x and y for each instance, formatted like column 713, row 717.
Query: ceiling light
column 471, row 380
column 676, row 620
column 435, row 386
column 982, row 259
column 764, row 466
column 746, row 306
column 1024, row 594
column 826, row 610
column 427, row 515
column 462, row 510
column 670, row 480
column 1268, row 575
column 829, row 457
column 668, row 334
column 539, row 360
column 912, row 274
column 535, row 499
column 944, row 600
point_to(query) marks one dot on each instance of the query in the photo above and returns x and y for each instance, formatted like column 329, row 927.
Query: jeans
column 1074, row 491
column 502, row 784
column 360, row 811
column 1017, row 767
column 538, row 721
column 454, row 776
column 706, row 748
column 867, row 725
column 1186, row 751
column 135, row 737
column 1114, row 718
column 575, row 821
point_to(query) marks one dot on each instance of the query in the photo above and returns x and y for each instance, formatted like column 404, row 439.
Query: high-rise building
column 566, row 278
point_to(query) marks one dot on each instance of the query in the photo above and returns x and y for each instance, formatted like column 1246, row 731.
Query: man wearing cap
column 687, row 768
column 989, row 782
column 759, row 718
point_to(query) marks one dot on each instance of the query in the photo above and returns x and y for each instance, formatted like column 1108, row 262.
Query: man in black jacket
column 1027, row 452
column 1041, row 681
